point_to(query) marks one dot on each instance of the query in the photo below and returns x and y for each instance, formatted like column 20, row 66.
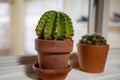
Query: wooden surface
column 19, row 68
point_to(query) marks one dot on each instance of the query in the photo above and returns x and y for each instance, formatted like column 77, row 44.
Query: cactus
column 94, row 39
column 54, row 25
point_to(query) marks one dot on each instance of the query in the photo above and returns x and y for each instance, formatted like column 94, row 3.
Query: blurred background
column 18, row 20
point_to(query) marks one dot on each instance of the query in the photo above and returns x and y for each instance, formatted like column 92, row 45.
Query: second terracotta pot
column 92, row 58
column 53, row 54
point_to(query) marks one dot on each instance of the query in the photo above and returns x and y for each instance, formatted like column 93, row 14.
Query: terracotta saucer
column 46, row 74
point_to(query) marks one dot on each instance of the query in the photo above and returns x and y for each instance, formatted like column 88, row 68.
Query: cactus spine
column 94, row 39
column 54, row 25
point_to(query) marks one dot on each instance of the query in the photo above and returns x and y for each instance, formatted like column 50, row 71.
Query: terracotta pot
column 92, row 58
column 46, row 74
column 53, row 54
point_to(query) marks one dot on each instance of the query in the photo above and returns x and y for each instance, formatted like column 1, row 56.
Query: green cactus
column 94, row 39
column 54, row 25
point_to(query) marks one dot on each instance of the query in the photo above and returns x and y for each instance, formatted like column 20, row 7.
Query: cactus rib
column 59, row 33
column 69, row 28
column 50, row 26
column 41, row 24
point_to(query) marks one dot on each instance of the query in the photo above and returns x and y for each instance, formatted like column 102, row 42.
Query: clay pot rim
column 79, row 44
column 47, row 71
column 54, row 46
column 52, row 40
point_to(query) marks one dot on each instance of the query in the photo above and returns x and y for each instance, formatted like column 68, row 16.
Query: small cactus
column 94, row 39
column 54, row 25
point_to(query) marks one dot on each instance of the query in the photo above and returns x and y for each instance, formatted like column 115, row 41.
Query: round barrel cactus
column 93, row 39
column 54, row 25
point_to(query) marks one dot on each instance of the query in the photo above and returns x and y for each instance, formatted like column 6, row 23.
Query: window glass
column 114, row 24
column 4, row 28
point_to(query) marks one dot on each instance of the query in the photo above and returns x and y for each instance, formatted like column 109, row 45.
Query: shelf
column 23, row 70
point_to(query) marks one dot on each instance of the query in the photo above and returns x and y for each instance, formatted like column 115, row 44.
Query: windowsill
column 19, row 67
